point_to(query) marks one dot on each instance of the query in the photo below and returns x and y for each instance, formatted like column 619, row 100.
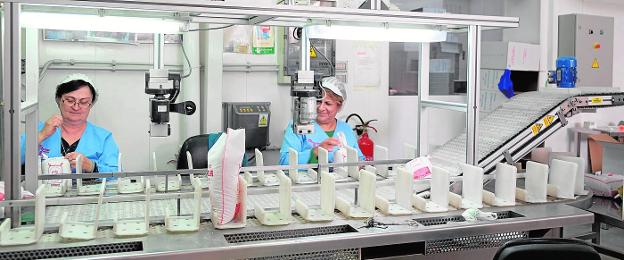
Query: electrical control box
column 589, row 38
column 254, row 117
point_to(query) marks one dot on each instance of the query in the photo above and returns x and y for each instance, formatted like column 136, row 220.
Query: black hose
column 354, row 114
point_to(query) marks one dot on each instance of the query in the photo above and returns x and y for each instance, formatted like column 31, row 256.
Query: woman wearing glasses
column 70, row 135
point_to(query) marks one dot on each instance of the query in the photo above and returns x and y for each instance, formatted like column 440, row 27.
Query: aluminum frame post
column 159, row 51
column 31, row 115
column 423, row 94
column 472, row 94
column 11, row 166
column 305, row 50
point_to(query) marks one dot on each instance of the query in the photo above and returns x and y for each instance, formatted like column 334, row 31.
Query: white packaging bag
column 420, row 168
column 224, row 162
column 340, row 156
column 56, row 165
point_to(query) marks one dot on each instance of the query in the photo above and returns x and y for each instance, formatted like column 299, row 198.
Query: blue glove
column 505, row 84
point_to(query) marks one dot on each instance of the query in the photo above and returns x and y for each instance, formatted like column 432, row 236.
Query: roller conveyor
column 522, row 123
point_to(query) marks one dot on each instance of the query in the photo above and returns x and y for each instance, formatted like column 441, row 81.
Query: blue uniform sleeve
column 292, row 140
column 23, row 148
column 107, row 162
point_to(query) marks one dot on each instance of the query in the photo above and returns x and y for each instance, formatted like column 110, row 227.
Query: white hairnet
column 336, row 86
column 76, row 76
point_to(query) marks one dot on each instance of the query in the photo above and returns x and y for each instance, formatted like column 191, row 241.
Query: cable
column 210, row 29
column 187, row 62
column 331, row 64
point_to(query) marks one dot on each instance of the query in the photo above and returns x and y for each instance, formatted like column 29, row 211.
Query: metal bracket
column 508, row 157
column 618, row 100
column 562, row 118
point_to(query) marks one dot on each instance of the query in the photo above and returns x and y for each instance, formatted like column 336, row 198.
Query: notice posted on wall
column 366, row 65
column 263, row 40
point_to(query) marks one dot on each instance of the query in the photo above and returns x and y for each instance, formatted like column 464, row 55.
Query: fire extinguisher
column 367, row 146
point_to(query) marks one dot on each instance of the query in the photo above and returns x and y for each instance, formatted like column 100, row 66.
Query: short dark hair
column 74, row 85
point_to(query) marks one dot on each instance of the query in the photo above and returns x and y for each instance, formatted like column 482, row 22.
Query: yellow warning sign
column 536, row 128
column 312, row 53
column 263, row 120
column 596, row 100
column 548, row 120
column 595, row 64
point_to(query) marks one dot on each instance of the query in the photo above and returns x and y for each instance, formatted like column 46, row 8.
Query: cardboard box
column 606, row 154
column 513, row 55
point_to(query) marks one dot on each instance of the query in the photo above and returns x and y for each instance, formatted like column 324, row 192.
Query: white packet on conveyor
column 340, row 156
column 474, row 214
column 420, row 168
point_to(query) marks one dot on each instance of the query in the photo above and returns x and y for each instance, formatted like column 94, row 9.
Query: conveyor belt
column 518, row 125
column 159, row 208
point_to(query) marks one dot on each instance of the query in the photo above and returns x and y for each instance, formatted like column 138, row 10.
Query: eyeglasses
column 83, row 103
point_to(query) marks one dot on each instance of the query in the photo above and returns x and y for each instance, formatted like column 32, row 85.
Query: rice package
column 224, row 162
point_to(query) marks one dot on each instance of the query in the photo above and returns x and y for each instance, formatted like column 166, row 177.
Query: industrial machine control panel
column 252, row 109
column 254, row 117
column 589, row 38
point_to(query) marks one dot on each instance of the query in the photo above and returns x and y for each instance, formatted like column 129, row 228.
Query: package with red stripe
column 224, row 162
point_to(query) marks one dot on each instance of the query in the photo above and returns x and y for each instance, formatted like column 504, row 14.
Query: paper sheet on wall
column 366, row 66
column 491, row 98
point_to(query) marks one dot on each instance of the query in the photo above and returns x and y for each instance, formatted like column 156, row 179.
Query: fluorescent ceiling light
column 363, row 33
column 81, row 22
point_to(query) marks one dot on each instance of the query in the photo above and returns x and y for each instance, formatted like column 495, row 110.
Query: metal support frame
column 11, row 165
column 159, row 51
column 282, row 15
column 30, row 109
column 423, row 96
column 472, row 115
column 305, row 50
column 287, row 15
column 375, row 4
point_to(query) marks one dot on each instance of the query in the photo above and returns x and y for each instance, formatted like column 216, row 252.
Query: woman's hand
column 87, row 165
column 328, row 145
column 50, row 126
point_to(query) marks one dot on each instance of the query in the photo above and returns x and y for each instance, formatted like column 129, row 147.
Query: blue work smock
column 304, row 144
column 96, row 143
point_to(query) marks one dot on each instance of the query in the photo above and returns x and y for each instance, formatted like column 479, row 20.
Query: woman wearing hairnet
column 70, row 135
column 326, row 127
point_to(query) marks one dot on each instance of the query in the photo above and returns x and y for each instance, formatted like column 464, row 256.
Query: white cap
column 76, row 76
column 336, row 86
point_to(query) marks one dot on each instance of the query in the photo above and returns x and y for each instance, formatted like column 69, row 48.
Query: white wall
column 370, row 101
column 562, row 139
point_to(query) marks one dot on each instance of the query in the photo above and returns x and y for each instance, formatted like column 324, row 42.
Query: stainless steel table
column 417, row 236
column 613, row 131
column 606, row 211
